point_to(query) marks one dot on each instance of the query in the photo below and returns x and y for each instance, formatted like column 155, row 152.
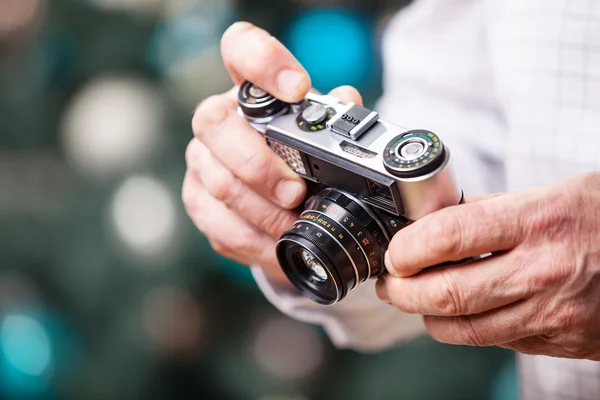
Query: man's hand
column 236, row 190
column 539, row 293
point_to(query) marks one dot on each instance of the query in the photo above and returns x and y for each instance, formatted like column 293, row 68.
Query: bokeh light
column 334, row 45
column 287, row 349
column 26, row 344
column 143, row 216
column 107, row 289
column 173, row 319
column 112, row 125
column 131, row 6
column 185, row 48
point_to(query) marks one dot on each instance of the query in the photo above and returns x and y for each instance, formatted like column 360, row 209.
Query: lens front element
column 316, row 268
column 336, row 244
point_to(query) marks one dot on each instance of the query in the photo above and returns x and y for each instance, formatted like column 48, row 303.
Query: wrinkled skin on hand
column 539, row 292
column 237, row 191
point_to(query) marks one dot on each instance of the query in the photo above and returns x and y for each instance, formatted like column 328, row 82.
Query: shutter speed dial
column 315, row 114
column 314, row 117
column 413, row 154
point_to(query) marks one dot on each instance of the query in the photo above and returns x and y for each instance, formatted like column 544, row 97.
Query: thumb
column 347, row 94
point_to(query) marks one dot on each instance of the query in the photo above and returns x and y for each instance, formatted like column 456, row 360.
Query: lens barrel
column 343, row 236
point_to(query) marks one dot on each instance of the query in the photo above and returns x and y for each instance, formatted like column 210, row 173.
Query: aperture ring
column 317, row 235
column 347, row 241
column 359, row 210
column 359, row 232
column 336, row 239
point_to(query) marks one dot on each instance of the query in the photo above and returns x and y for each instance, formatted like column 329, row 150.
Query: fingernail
column 388, row 264
column 387, row 260
column 287, row 192
column 289, row 82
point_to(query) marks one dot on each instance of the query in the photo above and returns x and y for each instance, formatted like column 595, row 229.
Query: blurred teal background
column 107, row 291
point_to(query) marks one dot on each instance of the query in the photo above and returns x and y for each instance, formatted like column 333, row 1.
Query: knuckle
column 211, row 112
column 447, row 235
column 188, row 197
column 276, row 221
column 219, row 247
column 256, row 169
column 447, row 300
column 551, row 217
column 567, row 316
column 467, row 334
column 578, row 346
column 556, row 269
column 248, row 245
column 223, row 188
column 191, row 152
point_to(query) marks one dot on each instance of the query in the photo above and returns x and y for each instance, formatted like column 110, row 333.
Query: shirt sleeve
column 360, row 322
column 436, row 77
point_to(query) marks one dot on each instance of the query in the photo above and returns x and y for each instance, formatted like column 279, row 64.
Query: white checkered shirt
column 513, row 88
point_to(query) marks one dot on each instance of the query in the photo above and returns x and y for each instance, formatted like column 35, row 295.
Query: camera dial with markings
column 367, row 178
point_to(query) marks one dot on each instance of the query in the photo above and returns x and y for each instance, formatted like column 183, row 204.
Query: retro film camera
column 366, row 178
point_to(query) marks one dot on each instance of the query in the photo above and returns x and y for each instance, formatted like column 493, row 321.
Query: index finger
column 455, row 233
column 244, row 152
column 252, row 54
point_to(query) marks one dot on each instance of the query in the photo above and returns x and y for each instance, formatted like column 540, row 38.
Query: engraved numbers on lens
column 362, row 238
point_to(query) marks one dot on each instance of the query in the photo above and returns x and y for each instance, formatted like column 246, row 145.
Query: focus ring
column 310, row 232
column 369, row 236
column 358, row 212
column 345, row 239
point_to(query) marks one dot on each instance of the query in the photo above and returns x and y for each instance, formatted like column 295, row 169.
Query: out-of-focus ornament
column 143, row 215
column 173, row 319
column 113, row 124
column 136, row 7
column 287, row 349
column 185, row 49
column 334, row 45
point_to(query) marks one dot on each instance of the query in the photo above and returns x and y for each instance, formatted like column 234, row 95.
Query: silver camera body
column 357, row 167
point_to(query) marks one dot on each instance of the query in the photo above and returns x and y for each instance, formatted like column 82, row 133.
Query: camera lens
column 310, row 269
column 337, row 243
column 314, row 266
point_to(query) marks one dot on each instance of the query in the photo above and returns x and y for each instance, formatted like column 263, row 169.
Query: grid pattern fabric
column 513, row 88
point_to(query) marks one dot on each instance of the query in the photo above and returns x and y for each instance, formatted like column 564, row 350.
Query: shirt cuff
column 360, row 321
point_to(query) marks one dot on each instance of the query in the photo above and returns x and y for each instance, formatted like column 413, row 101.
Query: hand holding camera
column 237, row 191
column 364, row 178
